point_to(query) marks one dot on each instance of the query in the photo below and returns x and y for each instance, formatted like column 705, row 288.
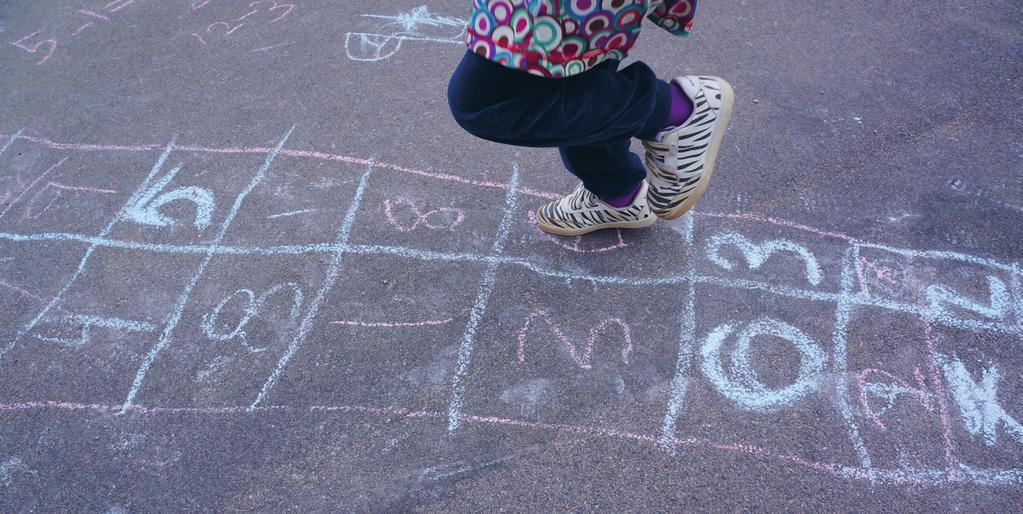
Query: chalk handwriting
column 252, row 306
column 999, row 307
column 407, row 26
column 44, row 46
column 145, row 208
column 979, row 410
column 583, row 360
column 743, row 386
column 888, row 388
column 444, row 218
column 757, row 254
column 265, row 11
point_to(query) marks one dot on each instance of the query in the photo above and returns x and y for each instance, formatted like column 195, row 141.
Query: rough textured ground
column 248, row 262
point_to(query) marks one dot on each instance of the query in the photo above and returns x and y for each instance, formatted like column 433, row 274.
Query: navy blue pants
column 591, row 117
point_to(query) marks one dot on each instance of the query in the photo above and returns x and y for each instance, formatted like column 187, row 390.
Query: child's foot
column 682, row 158
column 582, row 212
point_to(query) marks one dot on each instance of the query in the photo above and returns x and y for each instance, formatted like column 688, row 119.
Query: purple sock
column 625, row 200
column 681, row 107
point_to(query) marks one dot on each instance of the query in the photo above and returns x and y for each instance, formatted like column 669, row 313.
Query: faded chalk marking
column 333, row 269
column 744, row 386
column 398, row 324
column 179, row 308
column 910, row 476
column 30, row 186
column 10, row 467
column 843, row 312
column 686, row 340
column 83, row 263
column 582, row 360
column 10, row 140
column 575, row 246
column 468, row 340
column 290, row 213
column 889, row 392
column 271, row 47
column 979, row 410
column 757, row 254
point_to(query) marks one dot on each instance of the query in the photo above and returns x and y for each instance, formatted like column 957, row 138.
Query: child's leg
column 610, row 170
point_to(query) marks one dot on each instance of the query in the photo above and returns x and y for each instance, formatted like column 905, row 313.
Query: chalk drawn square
column 300, row 202
column 773, row 257
column 188, row 199
column 94, row 337
column 387, row 335
column 425, row 214
column 936, row 399
column 572, row 352
column 972, row 384
column 30, row 274
column 760, row 373
column 240, row 320
column 43, row 190
column 949, row 289
column 606, row 253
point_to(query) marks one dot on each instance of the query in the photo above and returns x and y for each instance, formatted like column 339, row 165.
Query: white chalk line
column 929, row 254
column 686, row 340
column 843, row 313
column 906, row 476
column 344, row 232
column 83, row 263
column 427, row 255
column 10, row 140
column 465, row 349
column 290, row 213
column 179, row 309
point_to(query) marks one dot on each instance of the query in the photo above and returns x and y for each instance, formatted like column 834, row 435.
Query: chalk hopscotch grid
column 467, row 343
column 844, row 299
column 179, row 308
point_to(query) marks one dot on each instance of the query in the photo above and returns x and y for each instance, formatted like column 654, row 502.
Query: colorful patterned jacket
column 561, row 38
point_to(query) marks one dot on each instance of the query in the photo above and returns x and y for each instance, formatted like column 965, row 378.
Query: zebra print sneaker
column 582, row 212
column 681, row 159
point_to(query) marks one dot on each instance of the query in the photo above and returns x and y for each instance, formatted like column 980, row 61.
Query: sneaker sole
column 551, row 229
column 712, row 154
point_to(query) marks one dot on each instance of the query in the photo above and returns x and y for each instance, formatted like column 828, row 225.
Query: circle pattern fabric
column 562, row 38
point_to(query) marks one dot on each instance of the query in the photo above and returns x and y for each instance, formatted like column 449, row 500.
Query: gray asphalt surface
column 249, row 263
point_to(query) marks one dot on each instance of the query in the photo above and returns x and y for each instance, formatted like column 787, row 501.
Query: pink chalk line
column 349, row 159
column 838, row 470
column 30, row 186
column 578, row 239
column 951, row 459
column 323, row 156
column 371, row 324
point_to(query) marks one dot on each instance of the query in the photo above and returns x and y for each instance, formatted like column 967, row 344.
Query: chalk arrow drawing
column 743, row 386
column 144, row 207
column 979, row 410
column 939, row 297
column 581, row 359
column 757, row 254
